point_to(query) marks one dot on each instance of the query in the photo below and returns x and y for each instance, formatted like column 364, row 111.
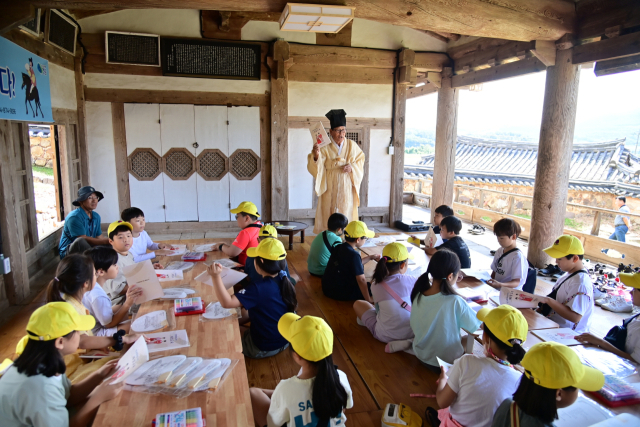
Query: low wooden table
column 229, row 405
column 300, row 227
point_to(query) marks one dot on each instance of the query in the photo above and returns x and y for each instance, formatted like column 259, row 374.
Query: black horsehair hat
column 337, row 118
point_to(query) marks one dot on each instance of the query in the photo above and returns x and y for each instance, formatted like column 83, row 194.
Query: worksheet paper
column 134, row 358
column 177, row 250
column 150, row 321
column 225, row 262
column 143, row 275
column 169, row 275
column 229, row 277
column 168, row 340
column 203, row 248
column 518, row 299
column 484, row 275
column 583, row 413
column 563, row 336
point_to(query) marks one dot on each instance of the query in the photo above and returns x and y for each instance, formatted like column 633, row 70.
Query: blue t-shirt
column 250, row 270
column 263, row 301
column 77, row 223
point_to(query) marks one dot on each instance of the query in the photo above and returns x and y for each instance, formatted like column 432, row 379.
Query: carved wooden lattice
column 212, row 164
column 145, row 164
column 355, row 136
column 245, row 164
column 179, row 164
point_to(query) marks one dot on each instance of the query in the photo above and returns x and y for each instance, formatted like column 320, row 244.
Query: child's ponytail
column 72, row 273
column 287, row 290
column 515, row 353
column 385, row 269
column 329, row 396
column 442, row 264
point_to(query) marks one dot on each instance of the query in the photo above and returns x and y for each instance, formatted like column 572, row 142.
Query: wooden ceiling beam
column 83, row 13
column 15, row 14
column 595, row 17
column 617, row 47
column 505, row 71
column 489, row 56
column 423, row 90
column 342, row 56
column 516, row 20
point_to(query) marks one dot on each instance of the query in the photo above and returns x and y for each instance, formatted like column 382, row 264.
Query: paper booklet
column 169, row 340
column 169, row 275
column 584, row 412
column 560, row 335
column 150, row 322
column 518, row 299
column 484, row 275
column 136, row 356
column 143, row 275
column 319, row 135
column 229, row 277
column 431, row 239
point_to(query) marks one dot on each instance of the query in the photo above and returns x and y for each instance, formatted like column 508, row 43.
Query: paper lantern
column 315, row 18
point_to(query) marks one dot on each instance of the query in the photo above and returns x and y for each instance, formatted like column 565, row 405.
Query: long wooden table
column 229, row 405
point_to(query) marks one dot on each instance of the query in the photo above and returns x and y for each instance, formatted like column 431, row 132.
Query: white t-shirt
column 113, row 287
column 393, row 320
column 291, row 403
column 511, row 267
column 632, row 344
column 99, row 305
column 577, row 294
column 35, row 401
column 140, row 246
column 481, row 384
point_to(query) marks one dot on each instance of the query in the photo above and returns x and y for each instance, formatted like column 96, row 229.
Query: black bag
column 545, row 309
column 617, row 336
column 411, row 227
column 326, row 242
column 530, row 283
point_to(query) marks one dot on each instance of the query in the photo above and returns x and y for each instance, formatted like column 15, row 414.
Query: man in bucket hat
column 82, row 226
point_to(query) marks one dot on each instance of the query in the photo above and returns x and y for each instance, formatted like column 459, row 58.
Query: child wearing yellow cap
column 35, row 391
column 266, row 232
column 553, row 373
column 247, row 217
column 343, row 279
column 474, row 387
column 570, row 303
column 391, row 289
column 320, row 392
column 264, row 301
column 622, row 340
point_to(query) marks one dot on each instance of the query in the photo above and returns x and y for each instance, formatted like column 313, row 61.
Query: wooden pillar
column 83, row 153
column 280, row 132
column 554, row 156
column 120, row 149
column 446, row 137
column 403, row 73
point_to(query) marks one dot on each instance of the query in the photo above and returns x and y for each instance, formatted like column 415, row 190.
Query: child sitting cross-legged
column 322, row 246
column 108, row 317
column 35, row 391
column 440, row 213
column 343, row 278
column 141, row 239
column 391, row 288
column 266, row 232
column 510, row 266
column 438, row 313
column 319, row 394
column 247, row 216
column 473, row 388
column 264, row 302
column 553, row 373
column 449, row 229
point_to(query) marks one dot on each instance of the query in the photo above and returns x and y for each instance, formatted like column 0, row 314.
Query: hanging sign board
column 24, row 84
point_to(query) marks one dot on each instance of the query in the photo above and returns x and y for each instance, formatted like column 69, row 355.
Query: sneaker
column 604, row 300
column 548, row 270
column 598, row 293
column 400, row 345
column 619, row 305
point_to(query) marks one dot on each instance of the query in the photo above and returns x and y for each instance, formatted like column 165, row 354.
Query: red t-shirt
column 247, row 238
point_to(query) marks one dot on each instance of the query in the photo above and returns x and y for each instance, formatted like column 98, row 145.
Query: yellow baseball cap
column 54, row 320
column 309, row 336
column 357, row 229
column 565, row 245
column 396, row 252
column 246, row 207
column 268, row 231
column 505, row 322
column 116, row 224
column 271, row 249
column 630, row 279
column 556, row 366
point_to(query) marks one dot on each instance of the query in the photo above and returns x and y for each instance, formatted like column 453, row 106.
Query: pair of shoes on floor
column 618, row 305
column 549, row 270
column 477, row 229
column 400, row 345
column 598, row 293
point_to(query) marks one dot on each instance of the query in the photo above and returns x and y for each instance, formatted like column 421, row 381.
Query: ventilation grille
column 212, row 165
column 33, row 26
column 145, row 164
column 132, row 48
column 354, row 136
column 245, row 164
column 206, row 58
column 179, row 164
column 62, row 32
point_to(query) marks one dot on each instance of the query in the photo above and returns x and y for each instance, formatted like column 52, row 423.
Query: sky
column 608, row 108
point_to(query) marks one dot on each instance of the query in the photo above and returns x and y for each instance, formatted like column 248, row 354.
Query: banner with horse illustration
column 24, row 84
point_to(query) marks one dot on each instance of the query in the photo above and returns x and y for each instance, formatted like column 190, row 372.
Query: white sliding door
column 244, row 133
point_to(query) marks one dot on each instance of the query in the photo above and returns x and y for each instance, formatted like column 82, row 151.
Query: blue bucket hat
column 84, row 193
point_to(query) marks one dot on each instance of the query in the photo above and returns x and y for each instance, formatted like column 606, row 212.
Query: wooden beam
column 514, row 20
column 40, row 48
column 211, row 23
column 505, row 71
column 435, row 78
column 435, row 35
column 445, row 147
column 426, row 89
column 175, row 97
column 364, row 185
column 545, row 51
column 301, row 122
column 15, row 14
column 617, row 47
column 397, row 161
column 120, row 148
column 82, row 13
column 342, row 38
column 312, row 73
column 620, row 65
column 554, row 155
column 476, row 45
column 265, row 158
column 480, row 58
column 279, row 139
column 334, row 56
column 596, row 16
column 429, row 61
column 81, row 122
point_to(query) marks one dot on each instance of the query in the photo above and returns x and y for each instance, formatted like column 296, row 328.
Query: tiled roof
column 602, row 167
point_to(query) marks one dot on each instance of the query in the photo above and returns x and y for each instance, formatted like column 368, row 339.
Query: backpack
column 326, row 242
column 530, row 283
column 617, row 336
column 545, row 309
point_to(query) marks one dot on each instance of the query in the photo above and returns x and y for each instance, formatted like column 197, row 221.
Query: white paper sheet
column 150, row 321
column 180, row 265
column 134, row 358
column 606, row 362
column 215, row 311
column 150, row 371
column 203, row 248
column 444, row 365
column 169, row 275
column 169, row 340
column 484, row 275
column 583, row 413
column 171, row 293
column 518, row 299
column 177, row 250
column 559, row 335
column 225, row 262
column 621, row 420
column 143, row 275
column 229, row 277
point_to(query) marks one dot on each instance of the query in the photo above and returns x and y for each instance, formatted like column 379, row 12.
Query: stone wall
column 43, row 152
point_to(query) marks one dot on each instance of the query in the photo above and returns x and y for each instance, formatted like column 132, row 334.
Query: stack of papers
column 170, row 340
